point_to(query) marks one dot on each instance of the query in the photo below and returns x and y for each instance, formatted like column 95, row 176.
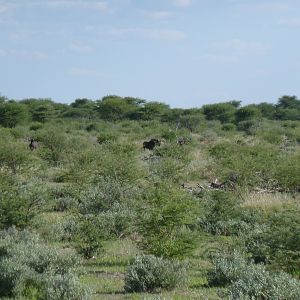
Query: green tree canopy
column 12, row 113
column 224, row 112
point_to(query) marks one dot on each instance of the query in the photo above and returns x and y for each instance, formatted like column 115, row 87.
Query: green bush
column 255, row 165
column 103, row 194
column 31, row 270
column 19, row 205
column 245, row 280
column 55, row 145
column 88, row 236
column 278, row 241
column 148, row 273
column 165, row 216
column 36, row 126
column 229, row 127
column 257, row 283
column 250, row 127
column 14, row 154
column 107, row 137
column 227, row 269
column 221, row 210
column 118, row 221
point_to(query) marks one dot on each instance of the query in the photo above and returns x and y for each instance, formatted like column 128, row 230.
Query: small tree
column 88, row 236
column 13, row 154
column 12, row 113
column 165, row 216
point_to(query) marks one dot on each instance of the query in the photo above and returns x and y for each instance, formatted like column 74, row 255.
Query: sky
column 184, row 53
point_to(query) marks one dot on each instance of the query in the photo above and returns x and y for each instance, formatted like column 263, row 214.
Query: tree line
column 116, row 108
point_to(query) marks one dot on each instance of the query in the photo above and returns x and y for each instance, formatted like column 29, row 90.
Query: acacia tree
column 224, row 112
column 113, row 108
column 165, row 215
column 12, row 113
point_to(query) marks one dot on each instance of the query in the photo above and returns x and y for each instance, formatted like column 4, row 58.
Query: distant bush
column 31, row 270
column 13, row 153
column 106, row 137
column 221, row 209
column 55, row 145
column 254, row 165
column 92, row 127
column 149, row 273
column 229, row 127
column 103, row 194
column 250, row 126
column 118, row 220
column 36, row 126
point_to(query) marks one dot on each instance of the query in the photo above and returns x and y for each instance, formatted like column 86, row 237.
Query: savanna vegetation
column 212, row 212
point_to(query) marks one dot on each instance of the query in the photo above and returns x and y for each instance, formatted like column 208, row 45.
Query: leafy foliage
column 148, row 273
column 30, row 269
column 165, row 215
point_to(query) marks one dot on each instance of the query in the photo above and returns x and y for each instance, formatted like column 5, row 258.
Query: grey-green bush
column 148, row 273
column 29, row 269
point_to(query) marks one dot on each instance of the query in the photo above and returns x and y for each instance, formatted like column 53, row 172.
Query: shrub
column 36, row 126
column 247, row 281
column 88, row 236
column 229, row 127
column 31, row 270
column 19, row 205
column 254, row 165
column 55, row 145
column 118, row 220
column 257, row 283
column 227, row 269
column 104, row 194
column 13, row 154
column 148, row 273
column 165, row 214
column 220, row 208
column 279, row 241
column 106, row 137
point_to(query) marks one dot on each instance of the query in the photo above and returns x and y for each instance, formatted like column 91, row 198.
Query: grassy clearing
column 105, row 273
column 267, row 201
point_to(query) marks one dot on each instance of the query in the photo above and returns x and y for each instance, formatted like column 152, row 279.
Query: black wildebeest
column 33, row 144
column 151, row 144
column 181, row 141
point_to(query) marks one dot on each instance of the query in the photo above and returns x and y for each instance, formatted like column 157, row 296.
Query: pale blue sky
column 185, row 53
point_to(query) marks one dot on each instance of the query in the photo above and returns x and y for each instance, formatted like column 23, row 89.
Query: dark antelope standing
column 33, row 144
column 151, row 144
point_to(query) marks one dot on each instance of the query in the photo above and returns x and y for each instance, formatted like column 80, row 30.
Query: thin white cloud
column 157, row 15
column 219, row 59
column 80, row 48
column 148, row 33
column 102, row 6
column 290, row 22
column 83, row 72
column 265, row 6
column 244, row 46
column 182, row 3
column 25, row 54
